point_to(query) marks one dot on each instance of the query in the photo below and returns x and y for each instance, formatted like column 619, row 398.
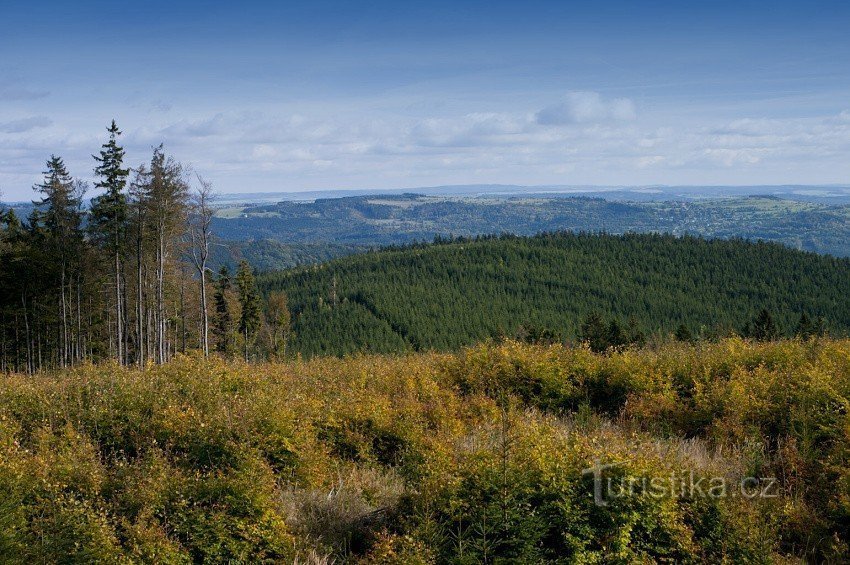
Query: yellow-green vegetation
column 470, row 457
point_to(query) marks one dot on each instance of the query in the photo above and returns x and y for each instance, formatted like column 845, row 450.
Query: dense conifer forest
column 452, row 293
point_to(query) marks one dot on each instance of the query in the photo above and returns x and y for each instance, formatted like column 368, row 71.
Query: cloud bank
column 586, row 107
column 582, row 138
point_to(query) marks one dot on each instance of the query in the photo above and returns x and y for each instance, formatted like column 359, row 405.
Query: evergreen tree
column 223, row 319
column 805, row 327
column 683, row 333
column 594, row 333
column 615, row 335
column 59, row 215
column 108, row 220
column 634, row 334
column 249, row 301
column 763, row 328
column 454, row 294
column 61, row 200
column 166, row 194
column 530, row 333
column 820, row 326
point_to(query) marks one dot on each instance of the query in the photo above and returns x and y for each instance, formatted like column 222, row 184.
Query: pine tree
column 249, row 301
column 108, row 219
column 223, row 319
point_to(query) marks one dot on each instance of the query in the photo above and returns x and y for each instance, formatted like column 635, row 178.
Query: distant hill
column 405, row 218
column 446, row 295
column 825, row 194
column 270, row 255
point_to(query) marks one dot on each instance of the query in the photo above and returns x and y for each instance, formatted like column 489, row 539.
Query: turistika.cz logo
column 608, row 485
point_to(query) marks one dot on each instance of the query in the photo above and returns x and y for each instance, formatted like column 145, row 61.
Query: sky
column 284, row 96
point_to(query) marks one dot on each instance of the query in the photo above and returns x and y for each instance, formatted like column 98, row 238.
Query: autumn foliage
column 470, row 457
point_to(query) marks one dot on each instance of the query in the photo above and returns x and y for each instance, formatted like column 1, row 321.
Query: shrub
column 426, row 458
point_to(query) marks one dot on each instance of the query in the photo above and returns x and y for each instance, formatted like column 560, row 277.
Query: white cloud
column 732, row 157
column 649, row 161
column 586, row 107
column 13, row 90
column 25, row 124
column 313, row 147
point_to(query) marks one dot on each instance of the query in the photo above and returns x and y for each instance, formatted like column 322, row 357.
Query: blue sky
column 326, row 95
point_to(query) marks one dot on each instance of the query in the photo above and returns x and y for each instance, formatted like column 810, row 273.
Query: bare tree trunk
column 81, row 346
column 205, row 320
column 29, row 343
column 140, row 308
column 119, row 322
column 41, row 327
column 125, row 304
column 64, row 331
column 18, row 346
column 160, row 298
column 182, row 310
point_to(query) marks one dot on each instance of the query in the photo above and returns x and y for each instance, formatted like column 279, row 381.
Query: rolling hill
column 453, row 293
column 400, row 219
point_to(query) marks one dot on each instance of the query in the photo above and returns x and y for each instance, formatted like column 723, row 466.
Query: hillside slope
column 447, row 295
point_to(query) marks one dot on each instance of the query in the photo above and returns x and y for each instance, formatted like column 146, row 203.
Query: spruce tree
column 223, row 319
column 594, row 332
column 61, row 201
column 763, row 328
column 805, row 327
column 166, row 195
column 108, row 219
column 615, row 335
column 249, row 300
column 683, row 333
column 58, row 217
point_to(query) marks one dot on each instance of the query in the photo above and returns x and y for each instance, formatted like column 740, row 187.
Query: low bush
column 478, row 456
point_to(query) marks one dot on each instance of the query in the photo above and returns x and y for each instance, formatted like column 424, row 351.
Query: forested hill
column 448, row 294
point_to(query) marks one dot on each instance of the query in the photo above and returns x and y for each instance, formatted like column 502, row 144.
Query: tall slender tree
column 167, row 195
column 249, row 300
column 60, row 212
column 201, row 232
column 223, row 319
column 278, row 321
column 108, row 220
column 138, row 221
